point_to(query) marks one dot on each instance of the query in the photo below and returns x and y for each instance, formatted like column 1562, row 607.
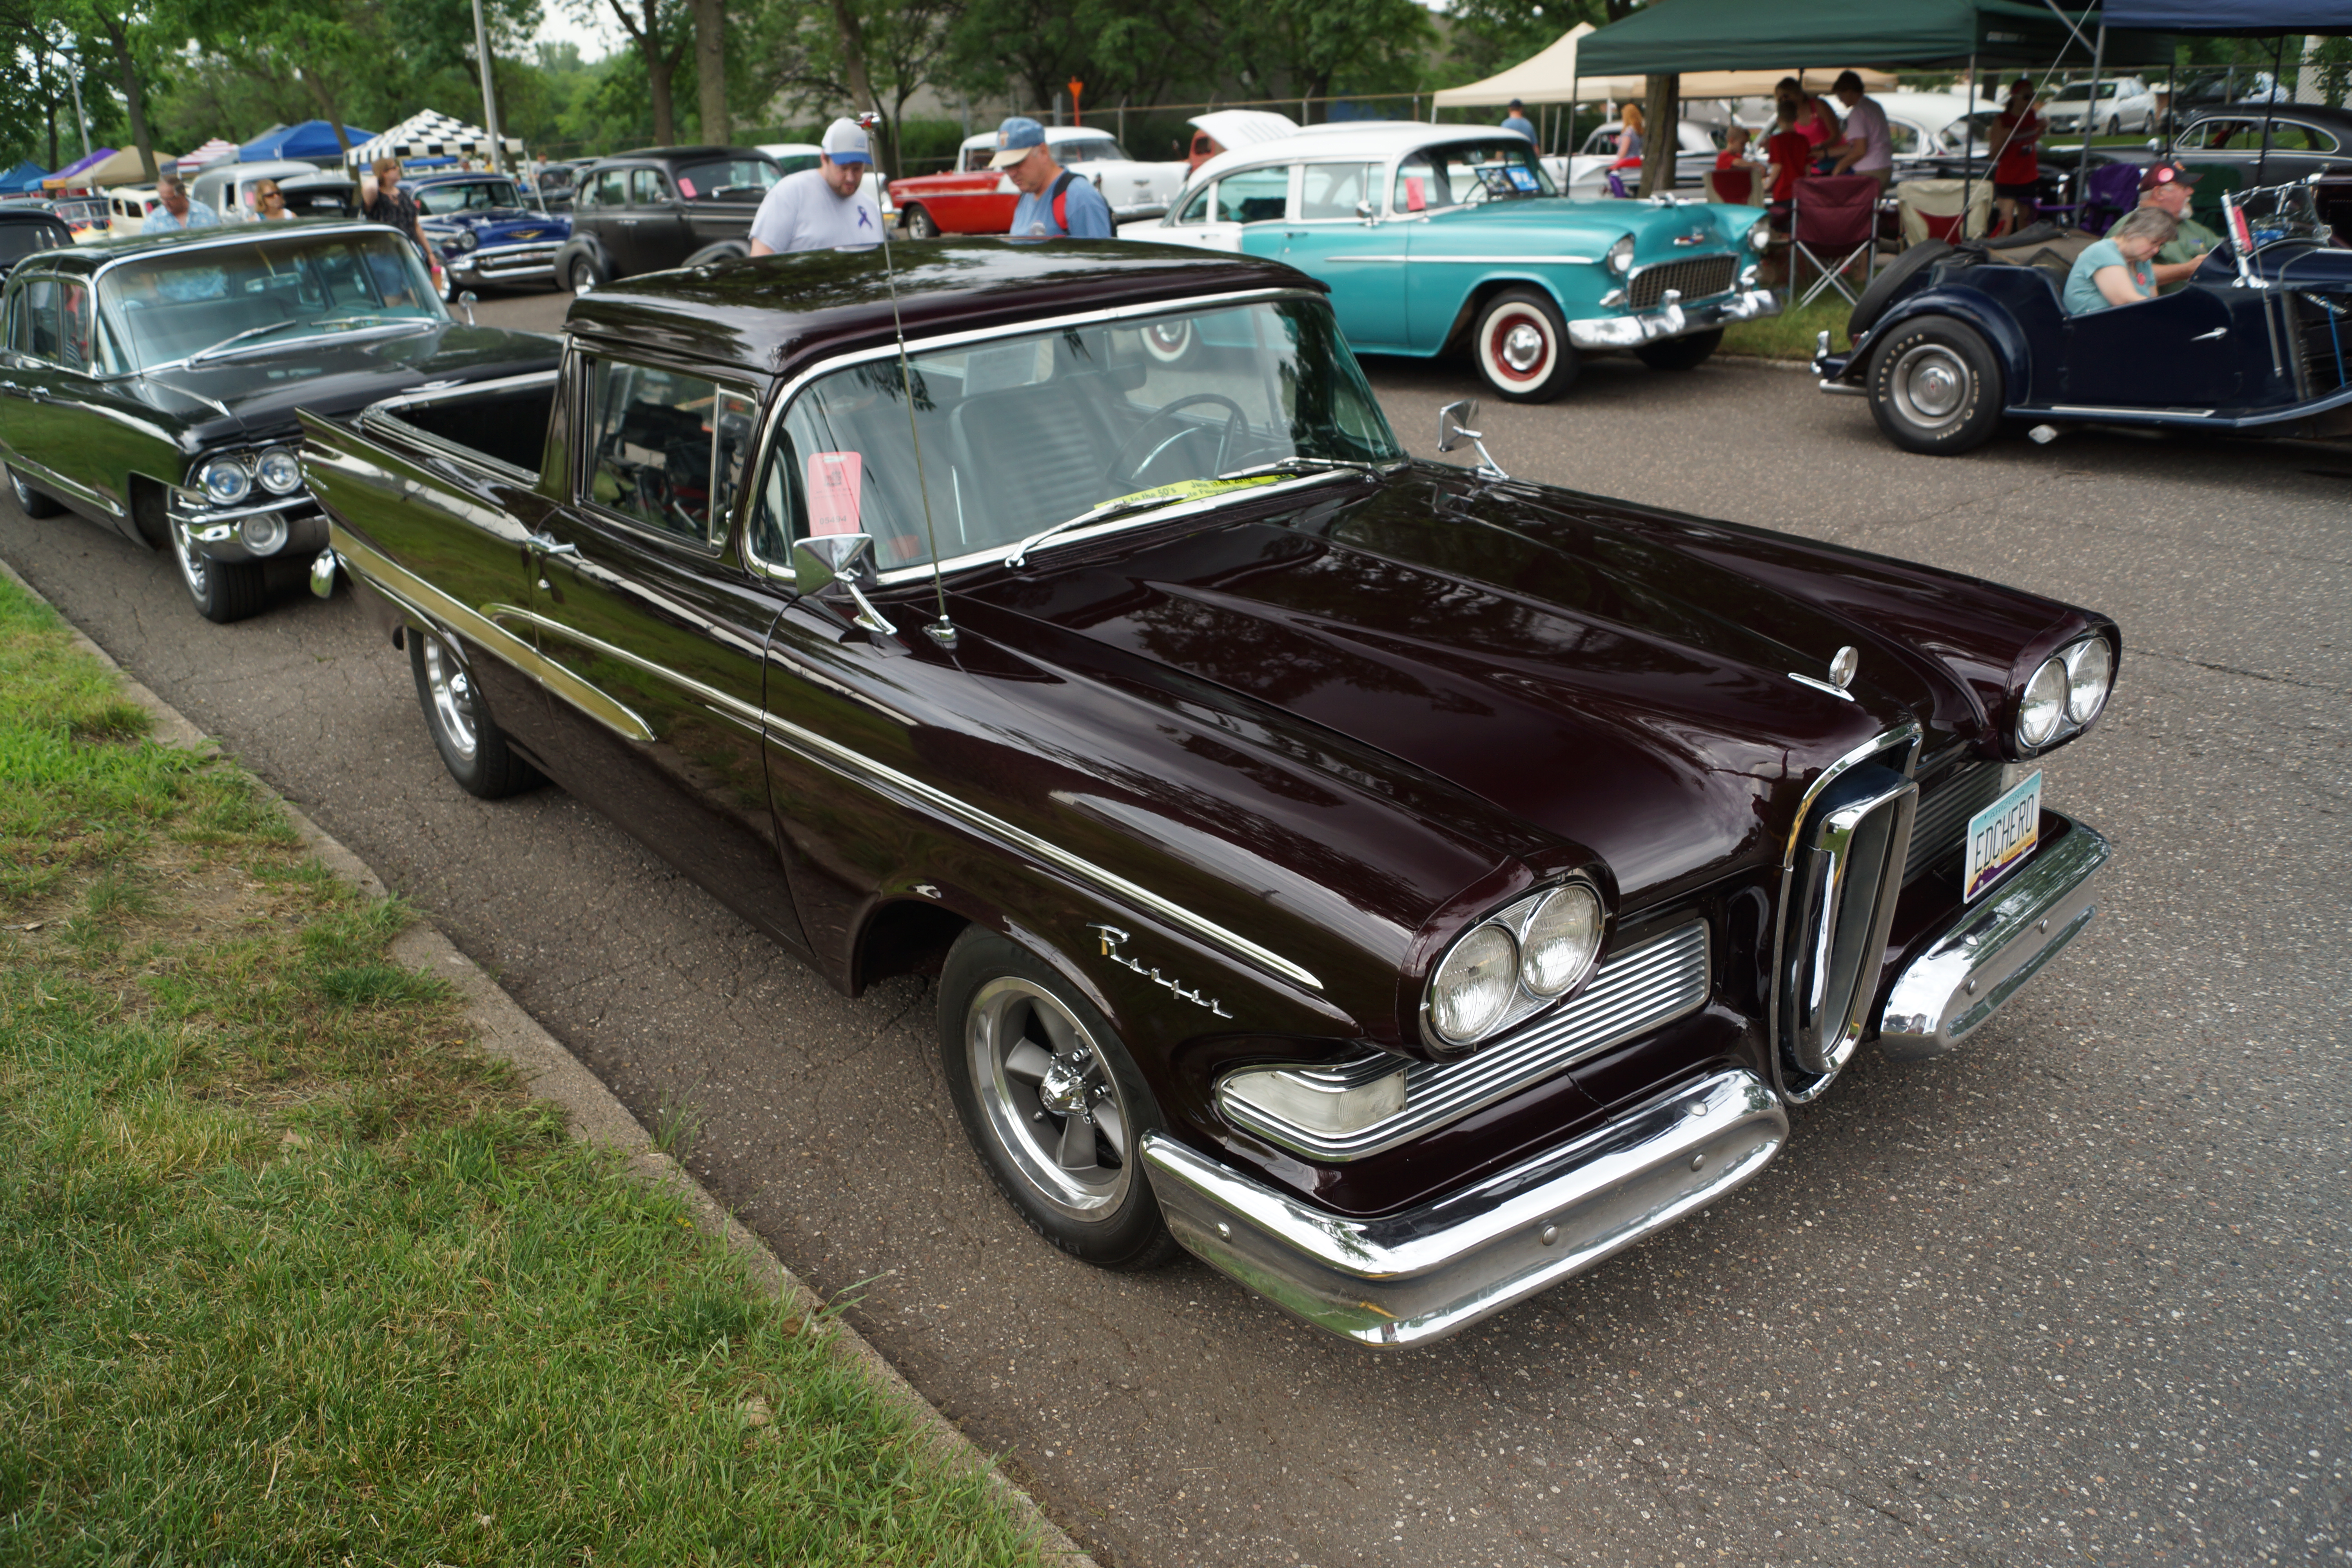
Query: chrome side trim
column 721, row 702
column 828, row 753
column 527, row 379
column 1635, row 991
column 52, row 479
column 1988, row 953
column 1409, row 1277
column 1842, row 389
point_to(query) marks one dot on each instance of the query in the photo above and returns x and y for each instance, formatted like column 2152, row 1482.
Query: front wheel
column 2115, row 126
column 1936, row 387
column 224, row 590
column 1686, row 353
column 583, row 274
column 30, row 501
column 1051, row 1103
column 1522, row 349
column 921, row 224
column 472, row 746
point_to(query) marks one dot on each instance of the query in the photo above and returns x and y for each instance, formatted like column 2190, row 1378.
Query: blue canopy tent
column 313, row 140
column 26, row 176
column 2260, row 17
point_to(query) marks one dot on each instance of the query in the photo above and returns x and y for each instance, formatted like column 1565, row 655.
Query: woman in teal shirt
column 2121, row 269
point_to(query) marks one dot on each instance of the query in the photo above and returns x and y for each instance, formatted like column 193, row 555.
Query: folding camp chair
column 1833, row 224
column 1930, row 209
column 2111, row 191
column 1733, row 187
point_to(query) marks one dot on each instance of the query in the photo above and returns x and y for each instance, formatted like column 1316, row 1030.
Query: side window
column 32, row 317
column 1332, row 190
column 75, row 337
column 666, row 449
column 1419, row 187
column 1197, row 209
column 1902, row 137
column 1253, row 195
column 611, row 187
column 976, row 159
column 647, row 188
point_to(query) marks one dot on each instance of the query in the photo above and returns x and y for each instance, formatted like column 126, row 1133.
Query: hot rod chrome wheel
column 453, row 698
column 472, row 746
column 1935, row 386
column 30, row 501
column 921, row 224
column 224, row 590
column 1521, row 347
column 1052, row 1101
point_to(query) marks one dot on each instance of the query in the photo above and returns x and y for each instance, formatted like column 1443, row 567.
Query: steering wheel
column 1122, row 472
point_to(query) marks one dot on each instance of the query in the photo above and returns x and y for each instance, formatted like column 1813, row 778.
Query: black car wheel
column 30, row 501
column 921, row 224
column 1522, row 349
column 471, row 745
column 1686, row 353
column 1936, row 387
column 584, row 274
column 1051, row 1103
column 224, row 590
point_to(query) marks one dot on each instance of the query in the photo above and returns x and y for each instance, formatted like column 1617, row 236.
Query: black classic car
column 28, row 229
column 2234, row 147
column 1400, row 885
column 661, row 207
column 150, row 384
column 1952, row 341
column 487, row 234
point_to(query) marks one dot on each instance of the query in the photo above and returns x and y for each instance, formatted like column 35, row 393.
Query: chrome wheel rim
column 453, row 698
column 1930, row 385
column 21, row 490
column 1050, row 1100
column 1518, row 347
column 192, row 561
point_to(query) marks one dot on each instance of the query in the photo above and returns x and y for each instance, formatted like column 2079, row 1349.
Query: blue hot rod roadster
column 1952, row 340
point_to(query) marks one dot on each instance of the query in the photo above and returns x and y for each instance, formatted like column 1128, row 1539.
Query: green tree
column 659, row 31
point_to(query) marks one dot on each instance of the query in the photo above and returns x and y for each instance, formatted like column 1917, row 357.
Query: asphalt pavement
column 2077, row 1293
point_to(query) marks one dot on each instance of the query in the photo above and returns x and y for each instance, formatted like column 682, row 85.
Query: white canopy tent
column 211, row 151
column 1550, row 78
column 429, row 135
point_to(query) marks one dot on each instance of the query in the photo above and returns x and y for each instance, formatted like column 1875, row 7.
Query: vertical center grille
column 1842, row 892
column 1698, row 278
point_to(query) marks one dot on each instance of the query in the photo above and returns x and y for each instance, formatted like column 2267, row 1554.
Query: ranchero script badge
column 1112, row 937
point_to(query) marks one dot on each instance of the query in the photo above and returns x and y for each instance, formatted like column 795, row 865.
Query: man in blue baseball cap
column 1053, row 201
column 823, row 208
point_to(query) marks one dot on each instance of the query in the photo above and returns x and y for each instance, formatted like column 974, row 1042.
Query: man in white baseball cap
column 826, row 207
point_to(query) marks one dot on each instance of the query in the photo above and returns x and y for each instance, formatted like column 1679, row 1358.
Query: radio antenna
column 942, row 631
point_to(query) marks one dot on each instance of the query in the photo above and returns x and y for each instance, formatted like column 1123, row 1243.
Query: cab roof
column 769, row 315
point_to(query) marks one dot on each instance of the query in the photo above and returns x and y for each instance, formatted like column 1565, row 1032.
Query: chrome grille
column 1633, row 993
column 1698, row 278
column 1945, row 806
column 1839, row 903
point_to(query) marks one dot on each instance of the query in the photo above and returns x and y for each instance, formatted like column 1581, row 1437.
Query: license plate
column 2002, row 836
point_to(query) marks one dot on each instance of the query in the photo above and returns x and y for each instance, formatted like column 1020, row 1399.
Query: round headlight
column 279, row 473
column 468, row 239
column 2090, row 671
column 1560, row 941
column 224, row 481
column 1621, row 256
column 1760, row 233
column 1473, row 986
column 264, row 533
column 2043, row 705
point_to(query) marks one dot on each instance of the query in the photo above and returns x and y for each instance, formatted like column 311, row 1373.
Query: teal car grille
column 1698, row 278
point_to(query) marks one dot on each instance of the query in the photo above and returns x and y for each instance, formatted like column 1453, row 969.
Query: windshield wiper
column 240, row 337
column 1301, row 464
column 1019, row 552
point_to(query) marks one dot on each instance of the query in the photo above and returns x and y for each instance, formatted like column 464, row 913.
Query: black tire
column 582, row 269
column 224, row 590
column 2114, row 125
column 1686, row 353
column 32, row 502
column 472, row 746
column 1935, row 386
column 1521, row 349
column 1893, row 277
column 1000, row 1002
column 921, row 224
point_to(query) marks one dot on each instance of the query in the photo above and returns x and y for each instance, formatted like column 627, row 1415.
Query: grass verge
column 291, row 1273
column 1791, row 334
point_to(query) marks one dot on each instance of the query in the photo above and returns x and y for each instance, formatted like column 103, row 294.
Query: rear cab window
column 665, row 450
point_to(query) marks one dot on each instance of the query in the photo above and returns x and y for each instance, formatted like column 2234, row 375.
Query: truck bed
column 504, row 421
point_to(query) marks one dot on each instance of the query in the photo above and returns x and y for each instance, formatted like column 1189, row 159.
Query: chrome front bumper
column 503, row 264
column 1993, row 949
column 1674, row 320
column 1409, row 1277
column 215, row 533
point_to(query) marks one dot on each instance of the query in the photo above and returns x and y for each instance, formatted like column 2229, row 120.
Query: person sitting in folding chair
column 1834, row 224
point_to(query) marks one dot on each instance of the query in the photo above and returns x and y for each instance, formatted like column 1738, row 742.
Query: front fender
column 583, row 244
column 1998, row 327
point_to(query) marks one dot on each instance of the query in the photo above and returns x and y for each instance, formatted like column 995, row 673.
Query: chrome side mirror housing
column 468, row 300
column 1365, row 213
column 823, row 560
column 1454, row 428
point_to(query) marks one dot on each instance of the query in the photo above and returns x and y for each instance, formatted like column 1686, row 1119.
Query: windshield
column 1025, row 432
column 167, row 305
column 2274, row 215
column 467, row 196
column 728, row 180
column 18, row 240
column 1502, row 170
column 2082, row 90
column 1089, row 149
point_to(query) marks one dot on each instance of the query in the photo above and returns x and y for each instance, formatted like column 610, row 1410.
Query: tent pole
column 1968, row 145
column 2090, row 118
column 489, row 92
column 2270, row 108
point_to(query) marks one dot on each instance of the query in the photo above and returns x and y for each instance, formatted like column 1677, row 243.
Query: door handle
column 2209, row 337
column 546, row 544
column 629, row 223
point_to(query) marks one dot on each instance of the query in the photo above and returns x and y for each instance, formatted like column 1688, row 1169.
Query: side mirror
column 1454, row 428
column 2155, row 143
column 1365, row 213
column 823, row 560
column 468, row 299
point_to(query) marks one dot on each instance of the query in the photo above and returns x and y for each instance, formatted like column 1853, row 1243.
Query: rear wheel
column 1521, row 347
column 921, row 224
column 224, row 590
column 1686, row 353
column 471, row 745
column 30, row 501
column 1936, row 387
column 1051, row 1103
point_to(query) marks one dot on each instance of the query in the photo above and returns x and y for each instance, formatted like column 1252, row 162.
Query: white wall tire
column 1521, row 349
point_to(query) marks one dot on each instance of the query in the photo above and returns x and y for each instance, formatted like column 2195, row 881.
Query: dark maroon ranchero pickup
column 1401, row 884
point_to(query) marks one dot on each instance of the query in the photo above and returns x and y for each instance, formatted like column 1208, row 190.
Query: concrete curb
column 594, row 1114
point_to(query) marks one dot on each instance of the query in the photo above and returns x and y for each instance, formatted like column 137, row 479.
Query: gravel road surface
column 2076, row 1294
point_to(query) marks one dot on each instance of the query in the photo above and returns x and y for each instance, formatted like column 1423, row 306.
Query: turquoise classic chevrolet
column 1436, row 239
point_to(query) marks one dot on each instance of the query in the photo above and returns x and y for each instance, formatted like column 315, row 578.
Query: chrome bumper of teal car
column 1992, row 949
column 1671, row 320
column 1409, row 1277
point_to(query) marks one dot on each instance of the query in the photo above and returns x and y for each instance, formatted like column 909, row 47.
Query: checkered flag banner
column 429, row 135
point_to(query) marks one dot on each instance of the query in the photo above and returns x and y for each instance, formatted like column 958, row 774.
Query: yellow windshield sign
column 1191, row 489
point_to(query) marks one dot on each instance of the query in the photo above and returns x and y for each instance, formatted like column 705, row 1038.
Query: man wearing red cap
column 2166, row 187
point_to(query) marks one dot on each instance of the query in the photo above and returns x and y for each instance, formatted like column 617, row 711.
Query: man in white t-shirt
column 1867, row 148
column 826, row 207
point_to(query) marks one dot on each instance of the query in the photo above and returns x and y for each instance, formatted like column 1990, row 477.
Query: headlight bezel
column 1759, row 234
column 1512, row 924
column 2051, row 673
column 261, row 468
column 2073, row 669
column 223, row 466
column 2080, row 662
column 1619, row 258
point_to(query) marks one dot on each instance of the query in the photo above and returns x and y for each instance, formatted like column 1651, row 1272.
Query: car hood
column 253, row 396
column 1540, row 220
column 497, row 220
